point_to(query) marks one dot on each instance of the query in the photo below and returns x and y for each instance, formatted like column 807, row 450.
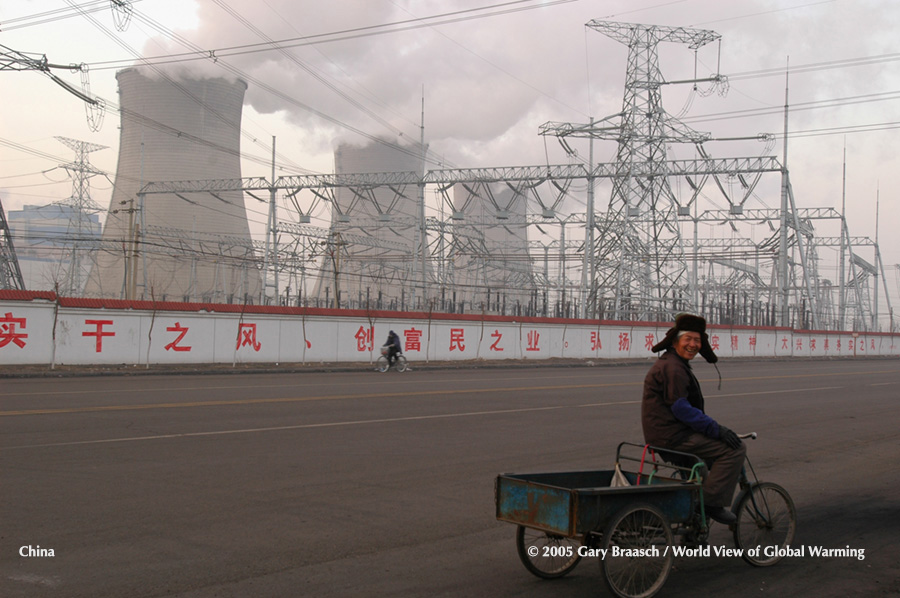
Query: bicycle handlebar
column 751, row 436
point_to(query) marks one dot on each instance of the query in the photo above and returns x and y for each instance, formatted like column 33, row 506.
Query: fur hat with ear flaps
column 689, row 323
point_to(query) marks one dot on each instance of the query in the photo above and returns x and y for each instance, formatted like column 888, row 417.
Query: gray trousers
column 718, row 488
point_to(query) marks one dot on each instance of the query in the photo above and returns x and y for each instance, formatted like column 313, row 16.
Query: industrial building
column 52, row 243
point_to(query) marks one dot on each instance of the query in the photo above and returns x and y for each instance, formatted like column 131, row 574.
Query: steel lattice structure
column 640, row 256
column 81, row 171
column 10, row 274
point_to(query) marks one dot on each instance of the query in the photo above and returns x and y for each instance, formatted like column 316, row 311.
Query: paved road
column 361, row 484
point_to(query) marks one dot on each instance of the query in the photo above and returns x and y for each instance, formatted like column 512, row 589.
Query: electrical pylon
column 10, row 274
column 642, row 263
column 79, row 233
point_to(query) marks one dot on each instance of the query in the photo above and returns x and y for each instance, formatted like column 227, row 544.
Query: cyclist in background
column 393, row 345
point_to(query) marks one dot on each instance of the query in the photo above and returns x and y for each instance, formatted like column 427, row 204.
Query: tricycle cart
column 629, row 517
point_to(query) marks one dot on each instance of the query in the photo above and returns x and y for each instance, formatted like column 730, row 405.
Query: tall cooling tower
column 492, row 269
column 378, row 276
column 189, row 246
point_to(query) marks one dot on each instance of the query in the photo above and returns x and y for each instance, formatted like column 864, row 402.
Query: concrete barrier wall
column 40, row 328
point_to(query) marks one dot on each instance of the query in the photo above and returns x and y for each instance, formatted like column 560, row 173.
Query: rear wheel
column 401, row 364
column 637, row 560
column 766, row 518
column 546, row 555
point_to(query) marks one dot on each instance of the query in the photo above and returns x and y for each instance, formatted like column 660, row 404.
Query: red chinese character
column 365, row 339
column 734, row 342
column 8, row 332
column 457, row 342
column 496, row 334
column 799, row 344
column 624, row 341
column 247, row 336
column 533, row 338
column 99, row 332
column 595, row 341
column 784, row 343
column 752, row 341
column 873, row 344
column 839, row 344
column 412, row 340
column 812, row 344
column 714, row 342
column 826, row 344
column 649, row 341
column 173, row 346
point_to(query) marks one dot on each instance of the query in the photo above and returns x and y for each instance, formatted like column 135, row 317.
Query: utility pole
column 589, row 292
column 842, row 291
column 422, row 229
column 336, row 243
column 783, row 277
column 877, row 260
column 271, row 238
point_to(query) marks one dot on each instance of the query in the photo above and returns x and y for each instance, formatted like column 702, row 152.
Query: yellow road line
column 359, row 422
column 380, row 395
column 408, row 380
column 417, row 393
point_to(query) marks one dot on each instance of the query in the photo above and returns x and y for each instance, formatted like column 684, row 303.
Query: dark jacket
column 393, row 341
column 672, row 406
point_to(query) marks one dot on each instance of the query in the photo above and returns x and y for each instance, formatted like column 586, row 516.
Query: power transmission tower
column 641, row 257
column 10, row 274
column 80, row 231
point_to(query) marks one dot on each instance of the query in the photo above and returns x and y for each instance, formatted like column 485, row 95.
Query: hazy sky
column 490, row 78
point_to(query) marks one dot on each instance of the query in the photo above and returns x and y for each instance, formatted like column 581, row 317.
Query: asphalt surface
column 355, row 483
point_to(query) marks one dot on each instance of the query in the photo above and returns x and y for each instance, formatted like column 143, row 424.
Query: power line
column 817, row 66
column 58, row 14
column 797, row 107
column 342, row 35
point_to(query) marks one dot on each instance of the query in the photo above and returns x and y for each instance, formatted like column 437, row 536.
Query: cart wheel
column 766, row 517
column 381, row 364
column 401, row 364
column 637, row 560
column 554, row 555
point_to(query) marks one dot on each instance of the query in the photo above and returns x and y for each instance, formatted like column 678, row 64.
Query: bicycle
column 382, row 364
column 766, row 516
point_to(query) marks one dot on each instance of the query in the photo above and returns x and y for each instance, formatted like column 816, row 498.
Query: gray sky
column 490, row 78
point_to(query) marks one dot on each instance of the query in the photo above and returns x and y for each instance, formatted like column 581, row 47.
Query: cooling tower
column 186, row 246
column 492, row 269
column 381, row 272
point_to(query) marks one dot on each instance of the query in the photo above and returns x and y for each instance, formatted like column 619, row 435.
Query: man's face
column 687, row 345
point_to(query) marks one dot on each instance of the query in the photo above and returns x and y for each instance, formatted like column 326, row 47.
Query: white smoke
column 490, row 82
